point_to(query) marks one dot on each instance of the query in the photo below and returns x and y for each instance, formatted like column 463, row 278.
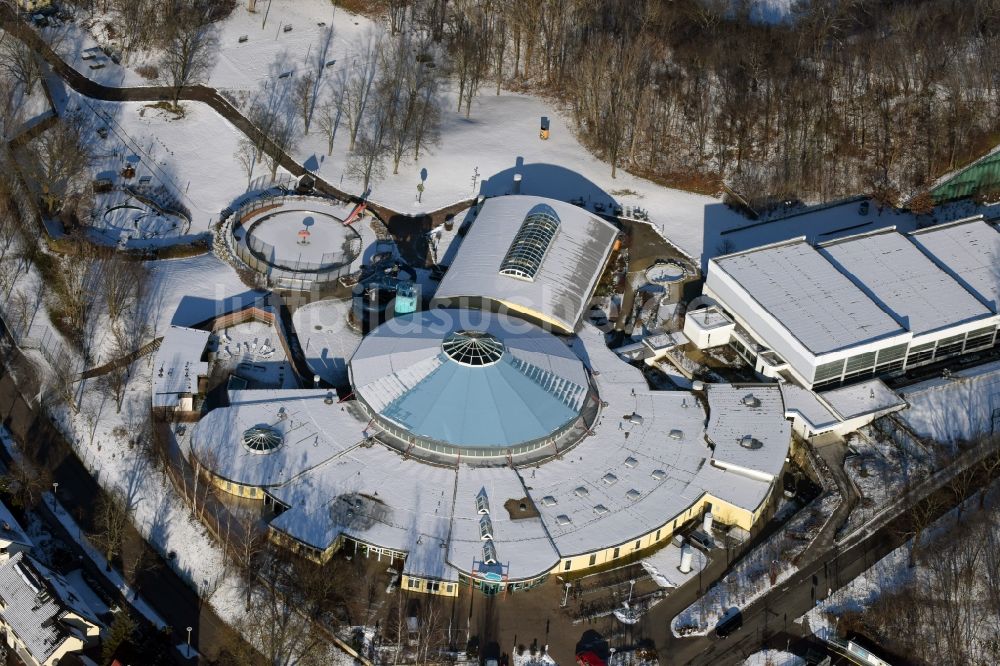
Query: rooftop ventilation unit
column 676, row 434
column 633, row 494
column 600, row 509
column 658, row 474
column 750, row 400
column 748, row 442
column 631, row 462
column 609, row 479
column 563, row 519
column 549, row 500
column 581, row 491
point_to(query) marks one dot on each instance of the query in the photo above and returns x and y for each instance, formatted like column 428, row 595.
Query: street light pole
column 566, row 596
column 189, row 643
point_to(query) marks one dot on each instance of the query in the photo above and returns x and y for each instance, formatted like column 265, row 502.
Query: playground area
column 121, row 218
column 252, row 352
column 297, row 240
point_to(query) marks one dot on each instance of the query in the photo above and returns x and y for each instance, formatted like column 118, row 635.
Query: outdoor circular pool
column 301, row 240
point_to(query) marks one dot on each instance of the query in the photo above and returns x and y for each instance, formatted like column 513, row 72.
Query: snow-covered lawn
column 956, row 408
column 185, row 162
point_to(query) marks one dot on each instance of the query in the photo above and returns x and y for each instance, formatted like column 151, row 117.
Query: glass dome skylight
column 472, row 348
column 261, row 439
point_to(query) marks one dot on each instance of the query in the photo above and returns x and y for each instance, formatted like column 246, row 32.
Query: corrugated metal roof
column 568, row 273
column 814, row 301
column 904, row 282
column 968, row 251
column 537, row 386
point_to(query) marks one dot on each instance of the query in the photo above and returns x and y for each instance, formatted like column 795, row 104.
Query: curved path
column 195, row 93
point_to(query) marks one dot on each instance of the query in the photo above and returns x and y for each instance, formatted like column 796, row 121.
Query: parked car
column 730, row 623
column 701, row 540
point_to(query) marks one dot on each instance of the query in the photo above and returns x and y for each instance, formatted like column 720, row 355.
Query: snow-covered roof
column 803, row 403
column 10, row 530
column 968, row 250
column 35, row 601
column 709, row 317
column 311, row 427
column 522, row 545
column 469, row 378
column 904, row 282
column 870, row 397
column 178, row 364
column 568, row 268
column 748, row 437
column 816, row 303
column 377, row 496
column 644, row 462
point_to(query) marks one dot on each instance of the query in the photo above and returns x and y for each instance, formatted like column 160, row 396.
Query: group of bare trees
column 865, row 95
column 385, row 96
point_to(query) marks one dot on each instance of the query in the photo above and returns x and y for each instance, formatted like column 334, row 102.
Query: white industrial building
column 866, row 305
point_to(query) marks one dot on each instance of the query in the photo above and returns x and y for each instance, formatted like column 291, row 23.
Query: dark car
column 730, row 623
column 701, row 540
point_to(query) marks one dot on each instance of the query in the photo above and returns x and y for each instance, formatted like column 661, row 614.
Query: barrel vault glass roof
column 404, row 372
column 531, row 243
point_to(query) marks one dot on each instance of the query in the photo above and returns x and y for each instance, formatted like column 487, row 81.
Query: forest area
column 845, row 97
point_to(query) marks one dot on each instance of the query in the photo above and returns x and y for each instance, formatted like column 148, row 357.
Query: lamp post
column 189, row 643
column 566, row 595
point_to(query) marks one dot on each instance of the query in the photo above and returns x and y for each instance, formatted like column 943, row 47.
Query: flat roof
column 568, row 271
column 311, row 430
column 804, row 404
column 969, row 251
column 178, row 364
column 904, row 282
column 813, row 301
column 870, row 397
column 744, row 428
column 645, row 461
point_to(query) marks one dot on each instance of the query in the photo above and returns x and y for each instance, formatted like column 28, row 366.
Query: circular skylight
column 472, row 348
column 261, row 439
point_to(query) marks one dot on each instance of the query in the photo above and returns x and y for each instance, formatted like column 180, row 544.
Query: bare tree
column 19, row 62
column 246, row 157
column 305, row 98
column 357, row 81
column 189, row 55
column 26, row 482
column 57, row 161
column 111, row 521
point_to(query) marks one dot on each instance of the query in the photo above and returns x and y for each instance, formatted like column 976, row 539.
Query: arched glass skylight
column 472, row 348
column 530, row 243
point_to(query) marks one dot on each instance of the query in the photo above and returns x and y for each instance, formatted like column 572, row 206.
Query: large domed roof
column 468, row 382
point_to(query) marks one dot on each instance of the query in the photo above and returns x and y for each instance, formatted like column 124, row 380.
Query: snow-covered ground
column 887, row 462
column 774, row 658
column 955, row 408
column 188, row 161
column 119, row 218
